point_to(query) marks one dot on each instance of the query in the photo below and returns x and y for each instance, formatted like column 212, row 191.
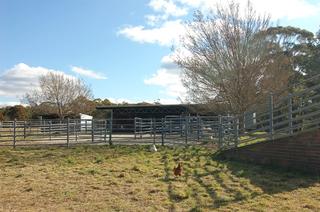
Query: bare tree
column 59, row 90
column 226, row 61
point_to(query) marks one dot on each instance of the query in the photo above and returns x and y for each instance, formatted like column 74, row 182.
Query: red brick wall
column 300, row 152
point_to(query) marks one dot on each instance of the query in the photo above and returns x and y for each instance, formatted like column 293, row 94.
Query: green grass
column 252, row 138
column 130, row 178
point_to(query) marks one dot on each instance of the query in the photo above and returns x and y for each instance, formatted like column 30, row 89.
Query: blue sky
column 120, row 48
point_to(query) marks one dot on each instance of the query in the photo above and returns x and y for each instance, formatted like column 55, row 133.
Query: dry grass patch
column 130, row 178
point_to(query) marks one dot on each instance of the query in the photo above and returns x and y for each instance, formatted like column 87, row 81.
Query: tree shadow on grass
column 225, row 182
column 165, row 159
column 241, row 181
column 217, row 200
column 270, row 179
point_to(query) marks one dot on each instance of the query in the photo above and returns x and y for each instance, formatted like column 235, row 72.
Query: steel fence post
column 186, row 129
column 135, row 127
column 110, row 128
column 236, row 128
column 198, row 128
column 290, row 113
column 220, row 132
column 92, row 130
column 154, row 130
column 14, row 133
column 24, row 129
column 105, row 130
column 50, row 128
column 162, row 131
column 68, row 131
column 271, row 115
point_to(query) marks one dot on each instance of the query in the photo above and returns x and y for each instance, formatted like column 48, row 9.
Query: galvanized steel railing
column 279, row 117
column 291, row 114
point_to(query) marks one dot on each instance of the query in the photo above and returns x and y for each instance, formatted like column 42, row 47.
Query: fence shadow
column 226, row 182
column 270, row 179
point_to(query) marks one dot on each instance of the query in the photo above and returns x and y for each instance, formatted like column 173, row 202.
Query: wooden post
column 290, row 113
column 68, row 132
column 271, row 115
column 14, row 133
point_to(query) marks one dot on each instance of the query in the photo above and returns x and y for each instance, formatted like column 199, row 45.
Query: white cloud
column 168, row 8
column 88, row 73
column 10, row 103
column 168, row 101
column 291, row 9
column 166, row 28
column 135, row 101
column 121, row 100
column 166, row 35
column 22, row 78
column 169, row 78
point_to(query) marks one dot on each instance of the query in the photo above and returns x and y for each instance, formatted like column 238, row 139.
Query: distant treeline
column 49, row 111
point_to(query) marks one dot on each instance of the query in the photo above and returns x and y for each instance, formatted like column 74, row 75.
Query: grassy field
column 130, row 178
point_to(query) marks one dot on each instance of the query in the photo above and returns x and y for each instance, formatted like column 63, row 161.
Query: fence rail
column 279, row 117
column 164, row 131
column 289, row 115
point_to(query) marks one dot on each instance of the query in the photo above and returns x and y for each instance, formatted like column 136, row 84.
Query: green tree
column 1, row 116
column 82, row 105
column 17, row 112
column 301, row 47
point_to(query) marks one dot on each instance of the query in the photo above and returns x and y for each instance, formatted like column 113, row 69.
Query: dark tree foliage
column 17, row 112
column 1, row 116
column 301, row 47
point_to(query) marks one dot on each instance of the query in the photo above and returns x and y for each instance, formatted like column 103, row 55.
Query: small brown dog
column 177, row 171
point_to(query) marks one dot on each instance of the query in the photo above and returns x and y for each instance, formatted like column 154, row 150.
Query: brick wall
column 300, row 152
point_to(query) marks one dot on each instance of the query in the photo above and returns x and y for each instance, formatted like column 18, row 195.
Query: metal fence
column 165, row 131
column 280, row 117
